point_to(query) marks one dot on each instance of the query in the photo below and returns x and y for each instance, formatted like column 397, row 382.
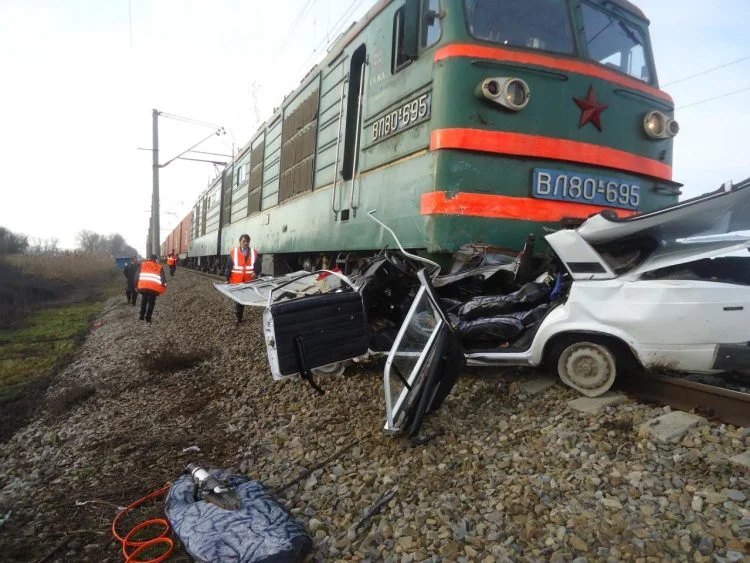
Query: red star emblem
column 591, row 110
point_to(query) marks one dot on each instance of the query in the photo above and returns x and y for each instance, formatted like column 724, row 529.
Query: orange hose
column 141, row 546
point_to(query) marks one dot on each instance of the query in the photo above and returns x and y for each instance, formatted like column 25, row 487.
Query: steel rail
column 726, row 405
column 200, row 273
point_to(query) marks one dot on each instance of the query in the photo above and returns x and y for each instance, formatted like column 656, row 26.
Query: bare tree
column 12, row 243
column 35, row 245
column 114, row 244
column 117, row 244
column 50, row 245
column 89, row 241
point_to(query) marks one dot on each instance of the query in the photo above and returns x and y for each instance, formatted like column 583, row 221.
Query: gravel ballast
column 503, row 474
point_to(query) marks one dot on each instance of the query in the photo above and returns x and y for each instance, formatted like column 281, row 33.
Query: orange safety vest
column 242, row 269
column 171, row 260
column 150, row 277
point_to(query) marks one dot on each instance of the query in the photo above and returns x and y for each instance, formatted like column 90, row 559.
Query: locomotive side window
column 430, row 32
column 615, row 42
column 399, row 58
column 534, row 24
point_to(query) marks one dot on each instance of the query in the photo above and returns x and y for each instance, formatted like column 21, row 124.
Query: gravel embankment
column 509, row 476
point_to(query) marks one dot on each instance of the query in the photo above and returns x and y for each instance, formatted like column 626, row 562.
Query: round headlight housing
column 508, row 92
column 659, row 126
column 673, row 127
column 655, row 124
column 517, row 93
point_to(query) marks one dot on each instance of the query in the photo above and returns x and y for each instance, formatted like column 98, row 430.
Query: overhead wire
column 300, row 17
column 715, row 98
column 340, row 23
column 189, row 120
column 706, row 71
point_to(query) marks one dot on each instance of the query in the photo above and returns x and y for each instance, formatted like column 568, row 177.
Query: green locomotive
column 458, row 120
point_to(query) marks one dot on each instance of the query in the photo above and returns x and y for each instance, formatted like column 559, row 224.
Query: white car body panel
column 723, row 211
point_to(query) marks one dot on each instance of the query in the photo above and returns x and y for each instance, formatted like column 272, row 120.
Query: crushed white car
column 668, row 290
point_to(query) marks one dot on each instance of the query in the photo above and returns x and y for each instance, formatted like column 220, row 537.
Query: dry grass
column 622, row 425
column 172, row 360
column 46, row 306
column 33, row 282
column 62, row 267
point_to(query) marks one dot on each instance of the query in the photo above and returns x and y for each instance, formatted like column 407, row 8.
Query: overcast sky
column 80, row 78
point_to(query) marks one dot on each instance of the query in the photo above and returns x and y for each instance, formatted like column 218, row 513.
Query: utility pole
column 155, row 230
column 153, row 245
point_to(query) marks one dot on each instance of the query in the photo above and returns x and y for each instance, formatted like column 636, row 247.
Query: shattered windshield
column 535, row 24
column 615, row 43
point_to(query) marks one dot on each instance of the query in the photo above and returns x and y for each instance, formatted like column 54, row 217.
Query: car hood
column 726, row 210
column 710, row 225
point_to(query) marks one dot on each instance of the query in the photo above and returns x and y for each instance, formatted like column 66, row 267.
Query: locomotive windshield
column 535, row 24
column 614, row 42
column 606, row 38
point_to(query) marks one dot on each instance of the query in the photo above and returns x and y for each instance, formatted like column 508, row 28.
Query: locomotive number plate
column 407, row 115
column 585, row 188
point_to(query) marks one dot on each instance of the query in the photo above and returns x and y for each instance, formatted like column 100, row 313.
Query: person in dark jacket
column 243, row 266
column 130, row 272
column 151, row 283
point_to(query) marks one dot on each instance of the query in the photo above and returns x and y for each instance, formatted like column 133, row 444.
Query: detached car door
column 314, row 331
column 423, row 364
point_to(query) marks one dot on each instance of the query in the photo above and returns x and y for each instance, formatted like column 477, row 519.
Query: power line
column 715, row 97
column 706, row 71
column 188, row 120
column 212, row 153
column 300, row 17
column 336, row 27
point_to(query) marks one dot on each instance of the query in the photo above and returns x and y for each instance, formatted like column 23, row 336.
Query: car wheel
column 335, row 369
column 588, row 367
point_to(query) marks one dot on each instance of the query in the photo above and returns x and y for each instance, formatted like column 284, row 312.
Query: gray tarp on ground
column 259, row 531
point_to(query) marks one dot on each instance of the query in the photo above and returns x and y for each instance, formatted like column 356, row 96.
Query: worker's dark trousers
column 148, row 301
column 132, row 295
column 171, row 270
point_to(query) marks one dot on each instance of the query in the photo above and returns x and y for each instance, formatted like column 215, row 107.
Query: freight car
column 179, row 239
column 460, row 121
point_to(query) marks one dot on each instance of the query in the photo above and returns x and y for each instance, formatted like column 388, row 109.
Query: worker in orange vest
column 243, row 266
column 172, row 262
column 151, row 283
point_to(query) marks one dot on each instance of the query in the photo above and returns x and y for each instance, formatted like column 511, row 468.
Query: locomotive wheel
column 588, row 367
column 331, row 369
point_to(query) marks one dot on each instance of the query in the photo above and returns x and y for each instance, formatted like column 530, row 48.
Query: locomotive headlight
column 517, row 93
column 659, row 126
column 510, row 93
column 655, row 124
column 673, row 127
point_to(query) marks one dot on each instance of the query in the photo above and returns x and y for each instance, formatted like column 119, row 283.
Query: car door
column 256, row 292
column 313, row 331
column 423, row 364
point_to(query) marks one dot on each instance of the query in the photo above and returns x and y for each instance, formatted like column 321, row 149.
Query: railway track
column 204, row 274
column 723, row 404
